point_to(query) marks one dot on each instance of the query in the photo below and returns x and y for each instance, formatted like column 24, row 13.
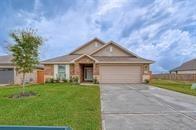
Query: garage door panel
column 120, row 74
column 6, row 76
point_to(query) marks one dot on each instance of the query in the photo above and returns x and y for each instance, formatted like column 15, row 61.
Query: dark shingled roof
column 119, row 59
column 6, row 59
column 65, row 58
column 101, row 59
column 189, row 65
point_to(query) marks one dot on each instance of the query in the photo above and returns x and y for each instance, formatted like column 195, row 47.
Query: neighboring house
column 188, row 67
column 107, row 62
column 9, row 75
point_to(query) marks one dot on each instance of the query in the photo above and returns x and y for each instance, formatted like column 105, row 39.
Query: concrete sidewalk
column 141, row 107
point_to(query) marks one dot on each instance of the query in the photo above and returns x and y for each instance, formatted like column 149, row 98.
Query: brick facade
column 48, row 71
column 76, row 69
column 71, row 67
column 95, row 69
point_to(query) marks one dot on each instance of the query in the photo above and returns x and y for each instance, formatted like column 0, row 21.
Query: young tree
column 25, row 51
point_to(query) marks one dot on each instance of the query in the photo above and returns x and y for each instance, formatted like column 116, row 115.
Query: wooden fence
column 182, row 77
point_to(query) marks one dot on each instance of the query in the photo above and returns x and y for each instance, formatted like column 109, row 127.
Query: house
column 105, row 62
column 9, row 74
column 188, row 67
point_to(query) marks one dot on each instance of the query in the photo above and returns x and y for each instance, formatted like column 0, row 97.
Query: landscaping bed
column 55, row 104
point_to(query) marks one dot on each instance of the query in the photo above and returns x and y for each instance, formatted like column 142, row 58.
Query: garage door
column 120, row 74
column 6, row 76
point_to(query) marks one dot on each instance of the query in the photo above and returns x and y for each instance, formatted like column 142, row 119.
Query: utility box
column 193, row 86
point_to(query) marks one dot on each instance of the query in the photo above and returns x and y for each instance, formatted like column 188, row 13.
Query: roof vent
column 96, row 44
column 111, row 49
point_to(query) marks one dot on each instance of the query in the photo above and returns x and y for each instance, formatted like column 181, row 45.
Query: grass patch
column 178, row 86
column 57, row 104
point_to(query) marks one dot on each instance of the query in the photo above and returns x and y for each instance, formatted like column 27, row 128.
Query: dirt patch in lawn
column 22, row 95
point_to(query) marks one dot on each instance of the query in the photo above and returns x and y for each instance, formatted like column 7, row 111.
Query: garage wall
column 30, row 77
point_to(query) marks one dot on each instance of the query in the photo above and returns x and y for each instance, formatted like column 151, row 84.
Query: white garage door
column 120, row 74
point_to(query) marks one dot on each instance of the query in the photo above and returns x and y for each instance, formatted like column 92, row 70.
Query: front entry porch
column 86, row 72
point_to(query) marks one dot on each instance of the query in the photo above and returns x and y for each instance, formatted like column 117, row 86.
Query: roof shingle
column 64, row 58
column 6, row 59
column 101, row 59
column 121, row 59
column 189, row 65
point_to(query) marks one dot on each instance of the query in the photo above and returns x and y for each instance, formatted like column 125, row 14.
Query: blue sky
column 161, row 30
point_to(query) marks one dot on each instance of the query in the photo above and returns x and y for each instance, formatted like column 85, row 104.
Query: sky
column 160, row 30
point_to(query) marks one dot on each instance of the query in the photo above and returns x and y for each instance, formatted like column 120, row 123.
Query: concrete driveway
column 142, row 107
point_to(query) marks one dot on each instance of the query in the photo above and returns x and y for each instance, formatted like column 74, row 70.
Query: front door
column 88, row 73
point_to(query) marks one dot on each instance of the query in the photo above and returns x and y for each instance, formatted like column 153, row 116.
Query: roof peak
column 87, row 43
column 118, row 45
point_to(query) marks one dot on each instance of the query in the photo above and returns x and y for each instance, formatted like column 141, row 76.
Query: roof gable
column 88, row 47
column 83, row 58
column 113, row 49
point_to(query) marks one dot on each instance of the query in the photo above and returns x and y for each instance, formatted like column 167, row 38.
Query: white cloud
column 109, row 5
column 153, row 30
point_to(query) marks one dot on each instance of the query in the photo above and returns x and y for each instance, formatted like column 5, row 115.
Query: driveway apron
column 143, row 107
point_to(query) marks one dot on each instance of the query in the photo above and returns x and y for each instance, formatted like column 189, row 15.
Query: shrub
column 47, row 80
column 58, row 80
column 71, row 79
column 76, row 80
column 95, row 81
column 146, row 81
column 51, row 80
column 64, row 80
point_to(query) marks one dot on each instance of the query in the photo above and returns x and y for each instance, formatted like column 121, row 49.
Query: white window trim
column 55, row 71
column 67, row 71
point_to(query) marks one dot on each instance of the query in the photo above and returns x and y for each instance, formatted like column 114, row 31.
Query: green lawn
column 178, row 86
column 57, row 104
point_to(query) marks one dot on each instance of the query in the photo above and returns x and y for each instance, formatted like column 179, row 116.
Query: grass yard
column 57, row 104
column 178, row 86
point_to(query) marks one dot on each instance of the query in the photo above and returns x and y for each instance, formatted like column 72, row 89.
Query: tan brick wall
column 71, row 67
column 146, row 73
column 49, row 69
column 76, row 69
column 96, row 69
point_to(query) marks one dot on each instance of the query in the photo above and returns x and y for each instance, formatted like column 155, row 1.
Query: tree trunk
column 23, row 83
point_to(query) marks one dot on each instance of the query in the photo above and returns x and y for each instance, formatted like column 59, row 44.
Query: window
column 61, row 71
